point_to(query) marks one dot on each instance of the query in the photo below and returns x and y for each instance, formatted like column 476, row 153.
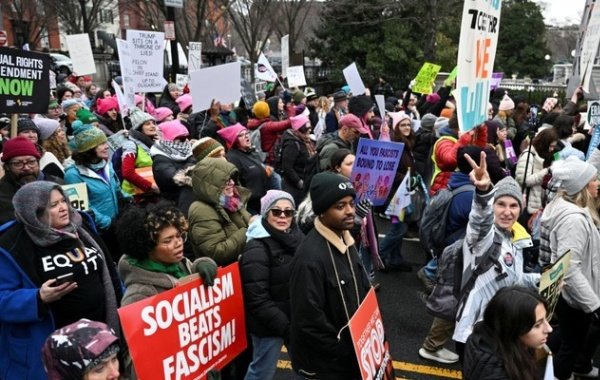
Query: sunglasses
column 287, row 213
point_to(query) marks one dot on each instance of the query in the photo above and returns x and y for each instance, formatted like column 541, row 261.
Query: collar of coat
column 333, row 238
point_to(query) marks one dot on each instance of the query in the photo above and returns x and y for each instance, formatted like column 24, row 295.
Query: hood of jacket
column 209, row 177
column 558, row 209
column 458, row 179
column 256, row 230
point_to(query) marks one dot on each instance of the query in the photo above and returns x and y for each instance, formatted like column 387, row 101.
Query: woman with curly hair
column 503, row 345
column 53, row 139
column 152, row 240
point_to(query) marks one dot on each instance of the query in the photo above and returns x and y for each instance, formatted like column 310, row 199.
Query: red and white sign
column 187, row 331
column 372, row 351
column 3, row 38
column 169, row 30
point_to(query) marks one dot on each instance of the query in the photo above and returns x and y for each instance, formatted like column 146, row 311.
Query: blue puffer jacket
column 103, row 195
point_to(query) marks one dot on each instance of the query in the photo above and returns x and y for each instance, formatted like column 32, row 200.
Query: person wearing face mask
column 83, row 350
column 503, row 345
column 136, row 154
column 265, row 270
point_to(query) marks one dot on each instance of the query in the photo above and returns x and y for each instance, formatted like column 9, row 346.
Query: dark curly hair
column 138, row 228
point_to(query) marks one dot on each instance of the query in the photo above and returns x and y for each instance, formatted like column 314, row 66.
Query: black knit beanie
column 326, row 188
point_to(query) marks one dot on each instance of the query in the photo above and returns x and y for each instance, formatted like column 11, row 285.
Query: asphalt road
column 405, row 320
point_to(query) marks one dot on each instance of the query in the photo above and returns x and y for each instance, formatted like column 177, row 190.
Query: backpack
column 278, row 152
column 313, row 164
column 256, row 142
column 452, row 285
column 117, row 163
column 432, row 230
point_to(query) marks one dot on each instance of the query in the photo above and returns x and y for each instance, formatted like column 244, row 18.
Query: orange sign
column 189, row 330
column 372, row 351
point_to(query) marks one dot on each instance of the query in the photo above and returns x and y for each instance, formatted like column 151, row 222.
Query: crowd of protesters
column 174, row 191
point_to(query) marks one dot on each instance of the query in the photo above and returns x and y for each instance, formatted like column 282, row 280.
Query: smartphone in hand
column 64, row 278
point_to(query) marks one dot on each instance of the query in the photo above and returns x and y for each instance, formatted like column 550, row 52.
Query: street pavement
column 405, row 320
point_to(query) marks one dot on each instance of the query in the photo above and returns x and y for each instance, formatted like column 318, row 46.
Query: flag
column 264, row 70
column 401, row 198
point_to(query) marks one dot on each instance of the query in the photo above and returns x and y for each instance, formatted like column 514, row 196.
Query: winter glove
column 300, row 185
column 362, row 209
column 412, row 84
column 206, row 268
column 214, row 374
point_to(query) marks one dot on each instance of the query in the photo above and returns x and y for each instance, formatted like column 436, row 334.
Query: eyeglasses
column 171, row 241
column 21, row 164
column 287, row 213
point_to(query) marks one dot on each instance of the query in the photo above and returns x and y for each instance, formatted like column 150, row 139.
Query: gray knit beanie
column 507, row 186
column 573, row 174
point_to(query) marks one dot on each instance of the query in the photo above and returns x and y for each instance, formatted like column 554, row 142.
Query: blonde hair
column 584, row 200
column 323, row 104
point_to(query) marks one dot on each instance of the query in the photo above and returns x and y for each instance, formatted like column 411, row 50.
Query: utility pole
column 174, row 50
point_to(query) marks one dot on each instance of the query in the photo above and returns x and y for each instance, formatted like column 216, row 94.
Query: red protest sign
column 372, row 351
column 185, row 332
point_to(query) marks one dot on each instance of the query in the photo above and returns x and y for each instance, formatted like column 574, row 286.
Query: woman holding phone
column 53, row 272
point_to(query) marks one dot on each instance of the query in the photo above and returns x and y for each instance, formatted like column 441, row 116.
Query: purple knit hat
column 271, row 197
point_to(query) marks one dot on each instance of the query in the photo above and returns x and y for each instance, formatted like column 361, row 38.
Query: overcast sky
column 560, row 12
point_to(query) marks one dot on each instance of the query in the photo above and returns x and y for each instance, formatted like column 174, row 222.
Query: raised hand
column 479, row 175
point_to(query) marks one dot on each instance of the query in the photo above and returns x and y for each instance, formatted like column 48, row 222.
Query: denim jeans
column 274, row 182
column 431, row 269
column 390, row 248
column 264, row 357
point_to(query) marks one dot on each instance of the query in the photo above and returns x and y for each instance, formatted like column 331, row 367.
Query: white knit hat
column 573, row 174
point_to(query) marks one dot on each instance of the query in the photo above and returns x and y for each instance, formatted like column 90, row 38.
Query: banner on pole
column 147, row 58
column 476, row 53
column 188, row 330
column 264, row 70
column 375, row 168
column 127, row 97
column 24, row 81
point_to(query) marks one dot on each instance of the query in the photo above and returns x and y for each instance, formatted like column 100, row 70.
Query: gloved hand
column 206, row 268
column 362, row 209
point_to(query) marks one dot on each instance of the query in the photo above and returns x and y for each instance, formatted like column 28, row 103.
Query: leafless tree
column 290, row 19
column 30, row 19
column 249, row 20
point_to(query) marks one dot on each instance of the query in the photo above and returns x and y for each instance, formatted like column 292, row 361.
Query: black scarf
column 288, row 240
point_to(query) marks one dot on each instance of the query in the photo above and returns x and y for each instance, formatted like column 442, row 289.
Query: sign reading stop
column 3, row 38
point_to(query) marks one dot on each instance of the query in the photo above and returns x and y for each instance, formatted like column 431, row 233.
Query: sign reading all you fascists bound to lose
column 24, row 81
column 189, row 330
column 476, row 53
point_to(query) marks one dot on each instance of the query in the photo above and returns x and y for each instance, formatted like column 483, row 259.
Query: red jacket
column 269, row 133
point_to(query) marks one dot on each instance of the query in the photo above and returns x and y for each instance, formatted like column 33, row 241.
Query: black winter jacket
column 294, row 156
column 318, row 312
column 265, row 270
column 164, row 169
column 482, row 356
column 252, row 174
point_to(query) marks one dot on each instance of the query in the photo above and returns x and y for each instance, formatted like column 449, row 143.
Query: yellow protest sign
column 425, row 78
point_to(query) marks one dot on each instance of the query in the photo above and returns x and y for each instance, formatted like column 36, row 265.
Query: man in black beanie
column 327, row 285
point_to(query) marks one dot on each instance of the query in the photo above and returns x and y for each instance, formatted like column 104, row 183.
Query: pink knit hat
column 231, row 133
column 172, row 130
column 161, row 113
column 397, row 117
column 184, row 102
column 106, row 104
column 149, row 108
column 506, row 103
column 299, row 121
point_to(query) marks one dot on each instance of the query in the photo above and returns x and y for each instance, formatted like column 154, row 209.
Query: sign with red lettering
column 187, row 331
column 476, row 53
column 372, row 350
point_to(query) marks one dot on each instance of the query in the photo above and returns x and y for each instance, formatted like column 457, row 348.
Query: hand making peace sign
column 479, row 175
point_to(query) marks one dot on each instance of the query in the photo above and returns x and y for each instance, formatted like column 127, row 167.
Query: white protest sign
column 80, row 51
column 194, row 56
column 78, row 196
column 476, row 54
column 285, row 55
column 263, row 69
column 295, row 76
column 217, row 82
column 181, row 80
column 380, row 100
column 357, row 87
column 589, row 48
column 147, row 49
column 52, row 78
column 128, row 94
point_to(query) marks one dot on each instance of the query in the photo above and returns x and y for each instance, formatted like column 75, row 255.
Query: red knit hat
column 106, row 104
column 19, row 146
